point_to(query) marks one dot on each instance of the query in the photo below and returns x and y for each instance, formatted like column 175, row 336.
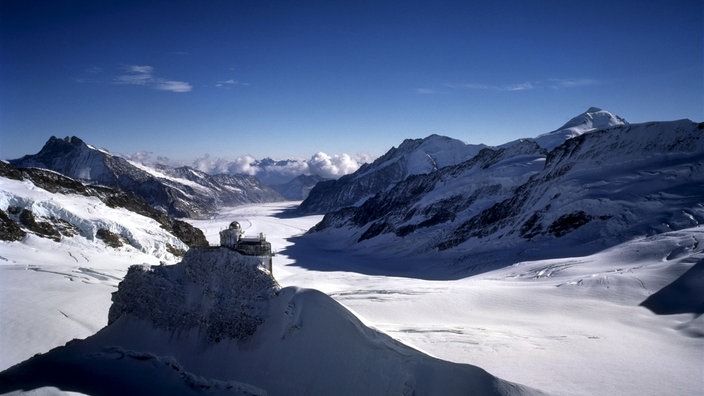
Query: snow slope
column 570, row 326
column 53, row 291
column 225, row 322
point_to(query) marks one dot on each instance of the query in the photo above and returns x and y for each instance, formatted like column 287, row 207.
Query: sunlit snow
column 568, row 326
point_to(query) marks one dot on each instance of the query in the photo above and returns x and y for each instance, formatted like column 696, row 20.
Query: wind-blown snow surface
column 569, row 326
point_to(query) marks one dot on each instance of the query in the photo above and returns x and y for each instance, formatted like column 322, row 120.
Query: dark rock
column 110, row 238
column 9, row 230
column 41, row 228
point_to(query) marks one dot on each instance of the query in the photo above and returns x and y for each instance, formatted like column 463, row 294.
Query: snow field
column 568, row 326
column 565, row 326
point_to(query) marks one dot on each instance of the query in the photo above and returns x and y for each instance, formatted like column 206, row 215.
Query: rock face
column 179, row 192
column 599, row 188
column 217, row 323
column 20, row 213
column 412, row 157
column 217, row 290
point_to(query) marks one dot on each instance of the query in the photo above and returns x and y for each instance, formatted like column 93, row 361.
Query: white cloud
column 173, row 86
column 267, row 170
column 553, row 83
column 143, row 157
column 143, row 75
column 243, row 165
column 229, row 84
column 524, row 86
column 140, row 69
column 558, row 83
column 518, row 87
column 332, row 167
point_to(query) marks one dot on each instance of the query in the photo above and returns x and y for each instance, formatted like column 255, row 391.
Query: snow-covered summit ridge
column 593, row 191
column 591, row 120
column 412, row 157
column 418, row 156
column 180, row 192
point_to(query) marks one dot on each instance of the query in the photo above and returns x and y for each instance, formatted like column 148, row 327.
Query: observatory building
column 233, row 238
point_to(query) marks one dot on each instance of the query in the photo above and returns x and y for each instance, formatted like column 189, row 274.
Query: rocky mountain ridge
column 19, row 216
column 179, row 192
column 596, row 189
column 412, row 157
column 422, row 156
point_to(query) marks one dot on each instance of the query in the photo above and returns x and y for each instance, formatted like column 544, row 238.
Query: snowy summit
column 592, row 119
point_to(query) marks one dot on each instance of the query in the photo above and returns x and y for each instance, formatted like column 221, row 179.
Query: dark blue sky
column 290, row 78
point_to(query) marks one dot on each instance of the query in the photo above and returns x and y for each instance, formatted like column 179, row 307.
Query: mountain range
column 179, row 192
column 607, row 182
column 422, row 156
column 46, row 204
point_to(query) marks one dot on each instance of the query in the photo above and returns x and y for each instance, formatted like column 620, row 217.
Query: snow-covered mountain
column 412, row 157
column 592, row 119
column 421, row 156
column 180, row 192
column 516, row 201
column 46, row 204
column 218, row 324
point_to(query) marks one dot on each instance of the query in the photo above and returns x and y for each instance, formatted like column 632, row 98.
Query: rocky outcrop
column 219, row 291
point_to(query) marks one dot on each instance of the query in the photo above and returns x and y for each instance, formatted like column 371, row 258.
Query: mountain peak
column 68, row 143
column 593, row 119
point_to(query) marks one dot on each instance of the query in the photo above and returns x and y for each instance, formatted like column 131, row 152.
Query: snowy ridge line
column 593, row 191
column 179, row 192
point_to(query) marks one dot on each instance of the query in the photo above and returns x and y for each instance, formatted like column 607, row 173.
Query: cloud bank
column 269, row 171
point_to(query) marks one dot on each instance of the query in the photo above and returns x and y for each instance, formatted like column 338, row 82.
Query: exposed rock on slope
column 180, row 192
column 422, row 156
column 412, row 157
column 217, row 323
column 57, row 222
column 593, row 191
